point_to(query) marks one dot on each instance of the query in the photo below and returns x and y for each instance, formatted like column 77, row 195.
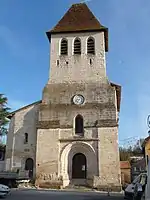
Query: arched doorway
column 29, row 164
column 79, row 166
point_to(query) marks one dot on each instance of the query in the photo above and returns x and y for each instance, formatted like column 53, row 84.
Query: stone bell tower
column 77, row 135
column 78, row 48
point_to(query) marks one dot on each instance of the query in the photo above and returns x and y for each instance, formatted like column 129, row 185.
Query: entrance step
column 78, row 188
column 79, row 182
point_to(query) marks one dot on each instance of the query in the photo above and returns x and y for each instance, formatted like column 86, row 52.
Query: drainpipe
column 147, row 189
column 12, row 157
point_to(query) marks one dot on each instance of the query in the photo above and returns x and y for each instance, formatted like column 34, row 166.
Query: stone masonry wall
column 24, row 121
column 109, row 164
column 77, row 68
column 71, row 75
column 50, row 145
column 47, row 154
column 56, row 125
column 99, row 108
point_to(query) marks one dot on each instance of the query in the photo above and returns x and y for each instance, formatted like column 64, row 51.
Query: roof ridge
column 24, row 107
column 79, row 3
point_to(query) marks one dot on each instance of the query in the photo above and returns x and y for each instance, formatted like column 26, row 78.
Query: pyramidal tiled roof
column 79, row 18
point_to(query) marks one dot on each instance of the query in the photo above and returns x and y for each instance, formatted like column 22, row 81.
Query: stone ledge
column 54, row 124
column 94, row 105
column 48, row 124
column 77, row 139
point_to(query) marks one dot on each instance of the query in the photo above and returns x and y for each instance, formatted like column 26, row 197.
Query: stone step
column 76, row 187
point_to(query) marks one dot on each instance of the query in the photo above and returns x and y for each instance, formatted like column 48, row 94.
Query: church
column 70, row 137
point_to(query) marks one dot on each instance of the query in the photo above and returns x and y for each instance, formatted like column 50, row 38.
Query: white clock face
column 78, row 99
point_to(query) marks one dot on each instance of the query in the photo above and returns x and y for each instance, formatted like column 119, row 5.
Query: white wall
column 24, row 121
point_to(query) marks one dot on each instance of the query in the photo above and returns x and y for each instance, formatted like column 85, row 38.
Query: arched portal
column 29, row 164
column 79, row 166
column 67, row 154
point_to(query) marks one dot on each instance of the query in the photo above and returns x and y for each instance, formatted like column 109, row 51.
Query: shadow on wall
column 95, row 146
column 25, row 139
column 9, row 145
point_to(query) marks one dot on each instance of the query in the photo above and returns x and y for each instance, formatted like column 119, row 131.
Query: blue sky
column 24, row 53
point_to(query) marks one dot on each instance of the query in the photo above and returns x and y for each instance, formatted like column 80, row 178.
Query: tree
column 125, row 153
column 4, row 111
column 128, row 152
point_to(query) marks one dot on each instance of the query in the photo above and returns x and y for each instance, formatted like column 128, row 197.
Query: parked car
column 129, row 190
column 139, row 188
column 4, row 190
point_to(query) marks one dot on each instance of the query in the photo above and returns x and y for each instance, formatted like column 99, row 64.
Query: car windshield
column 140, row 178
column 137, row 179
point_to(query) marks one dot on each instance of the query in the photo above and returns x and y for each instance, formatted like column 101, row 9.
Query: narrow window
column 79, row 129
column 90, row 46
column 26, row 138
column 64, row 47
column 57, row 62
column 90, row 61
column 77, row 46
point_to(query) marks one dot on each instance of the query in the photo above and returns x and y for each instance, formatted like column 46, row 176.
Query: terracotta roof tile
column 125, row 165
column 79, row 18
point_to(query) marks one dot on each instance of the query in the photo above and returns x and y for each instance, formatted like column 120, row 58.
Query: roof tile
column 79, row 18
column 125, row 165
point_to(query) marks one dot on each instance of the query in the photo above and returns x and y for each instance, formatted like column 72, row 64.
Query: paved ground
column 60, row 195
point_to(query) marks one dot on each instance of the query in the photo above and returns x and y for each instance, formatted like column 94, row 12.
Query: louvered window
column 77, row 46
column 91, row 46
column 64, row 47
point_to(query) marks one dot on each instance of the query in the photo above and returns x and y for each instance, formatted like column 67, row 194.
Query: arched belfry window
column 64, row 47
column 77, row 46
column 90, row 46
column 79, row 126
column 26, row 138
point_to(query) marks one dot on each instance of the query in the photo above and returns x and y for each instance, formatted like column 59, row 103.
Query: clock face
column 78, row 99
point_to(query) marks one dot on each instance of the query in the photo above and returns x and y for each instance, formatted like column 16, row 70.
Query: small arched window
column 90, row 46
column 26, row 138
column 79, row 127
column 64, row 47
column 77, row 46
